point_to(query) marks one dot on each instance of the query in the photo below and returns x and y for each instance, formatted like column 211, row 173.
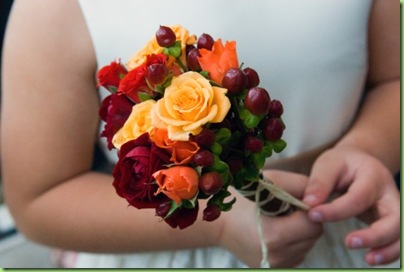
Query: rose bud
column 210, row 183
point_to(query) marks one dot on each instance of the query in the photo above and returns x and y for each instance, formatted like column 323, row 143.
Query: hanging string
column 253, row 191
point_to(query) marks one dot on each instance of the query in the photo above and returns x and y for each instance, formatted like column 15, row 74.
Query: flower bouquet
column 188, row 122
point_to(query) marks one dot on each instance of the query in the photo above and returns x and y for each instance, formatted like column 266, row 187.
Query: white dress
column 310, row 54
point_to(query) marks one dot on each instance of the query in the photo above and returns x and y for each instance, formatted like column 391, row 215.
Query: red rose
column 138, row 160
column 109, row 76
column 135, row 81
column 114, row 111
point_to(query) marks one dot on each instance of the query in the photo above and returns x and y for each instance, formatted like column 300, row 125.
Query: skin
column 361, row 164
column 50, row 120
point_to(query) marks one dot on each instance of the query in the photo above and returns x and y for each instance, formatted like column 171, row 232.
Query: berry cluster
column 233, row 151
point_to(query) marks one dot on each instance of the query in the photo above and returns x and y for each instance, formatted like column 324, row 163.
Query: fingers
column 293, row 183
column 355, row 201
column 384, row 255
column 324, row 175
column 289, row 238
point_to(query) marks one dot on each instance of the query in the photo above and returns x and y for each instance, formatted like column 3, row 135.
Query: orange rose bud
column 177, row 183
column 218, row 61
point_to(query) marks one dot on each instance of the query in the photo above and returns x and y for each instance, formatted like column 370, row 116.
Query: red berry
column 205, row 41
column 163, row 209
column 206, row 138
column 275, row 108
column 254, row 144
column 157, row 73
column 252, row 77
column 210, row 183
column 234, row 81
column 165, row 36
column 204, row 158
column 273, row 129
column 211, row 213
column 192, row 60
column 257, row 101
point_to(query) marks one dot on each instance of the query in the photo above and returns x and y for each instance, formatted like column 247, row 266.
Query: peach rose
column 218, row 61
column 189, row 103
column 138, row 122
column 152, row 47
column 177, row 183
column 182, row 152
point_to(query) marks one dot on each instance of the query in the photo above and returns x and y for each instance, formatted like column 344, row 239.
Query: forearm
column 87, row 215
column 376, row 130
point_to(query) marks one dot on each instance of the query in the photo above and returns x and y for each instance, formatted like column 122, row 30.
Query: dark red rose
column 138, row 160
column 114, row 111
column 135, row 81
column 183, row 217
column 109, row 76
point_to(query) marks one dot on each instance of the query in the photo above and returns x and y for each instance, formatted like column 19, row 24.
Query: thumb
column 323, row 178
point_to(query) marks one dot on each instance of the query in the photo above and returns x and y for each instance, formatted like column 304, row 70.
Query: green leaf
column 258, row 160
column 218, row 200
column 144, row 96
column 250, row 120
column 216, row 148
column 175, row 50
column 174, row 206
column 222, row 136
column 279, row 145
column 205, row 74
column 267, row 150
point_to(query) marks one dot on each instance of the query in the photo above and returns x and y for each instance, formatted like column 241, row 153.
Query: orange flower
column 218, row 61
column 182, row 152
column 177, row 183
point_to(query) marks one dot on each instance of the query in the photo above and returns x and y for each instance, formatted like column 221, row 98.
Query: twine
column 288, row 201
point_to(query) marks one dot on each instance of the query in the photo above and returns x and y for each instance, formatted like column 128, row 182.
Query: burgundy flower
column 138, row 160
column 183, row 217
column 109, row 76
column 114, row 111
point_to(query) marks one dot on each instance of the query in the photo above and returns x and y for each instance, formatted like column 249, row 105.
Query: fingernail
column 378, row 259
column 310, row 199
column 315, row 216
column 356, row 242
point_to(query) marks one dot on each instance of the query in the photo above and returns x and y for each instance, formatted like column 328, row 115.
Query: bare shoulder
column 50, row 27
column 384, row 41
column 50, row 104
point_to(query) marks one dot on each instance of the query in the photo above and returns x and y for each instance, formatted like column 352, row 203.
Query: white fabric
column 310, row 54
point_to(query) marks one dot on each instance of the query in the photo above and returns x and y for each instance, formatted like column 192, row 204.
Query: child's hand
column 367, row 191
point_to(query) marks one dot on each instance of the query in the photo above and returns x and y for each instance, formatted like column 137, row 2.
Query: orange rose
column 218, row 61
column 177, row 183
column 182, row 152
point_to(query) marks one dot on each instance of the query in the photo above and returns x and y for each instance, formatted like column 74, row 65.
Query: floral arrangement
column 188, row 122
